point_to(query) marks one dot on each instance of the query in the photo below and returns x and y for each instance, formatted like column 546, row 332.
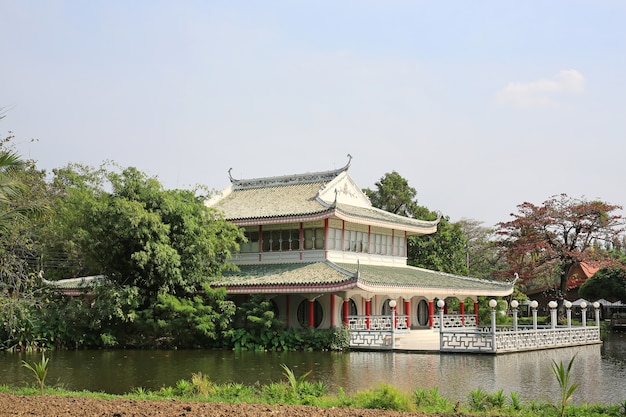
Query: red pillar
column 462, row 308
column 431, row 312
column 407, row 312
column 346, row 311
column 368, row 312
column 332, row 310
column 476, row 311
column 311, row 313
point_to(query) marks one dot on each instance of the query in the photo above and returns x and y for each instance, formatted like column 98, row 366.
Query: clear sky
column 480, row 105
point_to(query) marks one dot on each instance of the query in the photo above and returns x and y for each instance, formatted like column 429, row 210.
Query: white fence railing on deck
column 461, row 333
column 455, row 320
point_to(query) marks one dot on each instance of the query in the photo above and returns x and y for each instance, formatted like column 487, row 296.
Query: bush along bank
column 296, row 390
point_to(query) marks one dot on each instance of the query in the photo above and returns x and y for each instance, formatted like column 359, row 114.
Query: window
column 281, row 240
column 314, row 238
column 303, row 313
column 352, row 310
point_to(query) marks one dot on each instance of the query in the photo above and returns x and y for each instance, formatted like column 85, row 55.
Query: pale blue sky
column 480, row 105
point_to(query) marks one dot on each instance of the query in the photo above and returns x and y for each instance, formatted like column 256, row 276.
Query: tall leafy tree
column 22, row 206
column 393, row 194
column 482, row 254
column 608, row 283
column 549, row 239
column 442, row 251
column 158, row 248
column 140, row 234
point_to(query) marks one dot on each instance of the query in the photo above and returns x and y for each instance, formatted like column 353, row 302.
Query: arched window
column 386, row 310
column 422, row 313
column 303, row 313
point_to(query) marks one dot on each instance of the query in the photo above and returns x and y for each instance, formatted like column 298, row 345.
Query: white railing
column 455, row 320
column 500, row 339
column 505, row 340
column 376, row 332
column 378, row 323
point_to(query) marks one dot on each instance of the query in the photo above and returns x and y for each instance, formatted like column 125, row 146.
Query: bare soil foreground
column 53, row 406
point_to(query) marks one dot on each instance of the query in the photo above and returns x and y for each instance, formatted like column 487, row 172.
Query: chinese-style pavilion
column 318, row 249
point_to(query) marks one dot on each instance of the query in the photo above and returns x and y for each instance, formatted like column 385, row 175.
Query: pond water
column 598, row 369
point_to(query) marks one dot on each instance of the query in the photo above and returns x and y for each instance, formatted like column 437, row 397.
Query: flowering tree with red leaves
column 552, row 238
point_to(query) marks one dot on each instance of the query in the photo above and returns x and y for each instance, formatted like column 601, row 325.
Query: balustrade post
column 583, row 312
column 533, row 306
column 441, row 304
column 392, row 304
column 493, row 304
column 462, row 308
column 514, row 305
column 553, row 305
column 568, row 312
column 596, row 306
column 476, row 312
column 407, row 312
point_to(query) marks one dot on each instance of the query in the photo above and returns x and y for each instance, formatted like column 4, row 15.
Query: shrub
column 384, row 397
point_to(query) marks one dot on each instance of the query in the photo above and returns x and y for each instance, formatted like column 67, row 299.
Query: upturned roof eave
column 326, row 213
column 291, row 289
column 433, row 291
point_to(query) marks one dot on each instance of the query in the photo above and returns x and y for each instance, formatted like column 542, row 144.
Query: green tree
column 393, row 194
column 22, row 207
column 483, row 256
column 608, row 283
column 139, row 234
column 442, row 251
column 158, row 249
column 548, row 240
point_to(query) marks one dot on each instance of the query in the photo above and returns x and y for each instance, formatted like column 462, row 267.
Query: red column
column 311, row 313
column 346, row 311
column 407, row 312
column 462, row 308
column 332, row 310
column 431, row 312
column 476, row 311
column 368, row 312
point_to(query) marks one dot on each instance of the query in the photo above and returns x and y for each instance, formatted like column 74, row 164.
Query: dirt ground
column 17, row 405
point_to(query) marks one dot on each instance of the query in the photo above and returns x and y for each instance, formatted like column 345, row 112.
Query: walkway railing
column 376, row 332
column 461, row 334
column 516, row 338
column 455, row 320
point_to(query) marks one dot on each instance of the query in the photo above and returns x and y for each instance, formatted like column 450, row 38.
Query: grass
column 297, row 391
column 383, row 397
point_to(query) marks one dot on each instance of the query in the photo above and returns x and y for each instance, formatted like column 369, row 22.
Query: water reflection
column 596, row 368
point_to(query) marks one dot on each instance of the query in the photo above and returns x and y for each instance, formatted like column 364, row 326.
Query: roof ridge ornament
column 306, row 178
column 230, row 176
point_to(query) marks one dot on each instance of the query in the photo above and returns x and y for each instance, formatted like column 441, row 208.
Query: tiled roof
column 412, row 277
column 286, row 275
column 283, row 201
column 313, row 276
column 274, row 201
column 378, row 215
column 75, row 283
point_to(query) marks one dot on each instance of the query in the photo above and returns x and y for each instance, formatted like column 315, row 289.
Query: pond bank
column 12, row 405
